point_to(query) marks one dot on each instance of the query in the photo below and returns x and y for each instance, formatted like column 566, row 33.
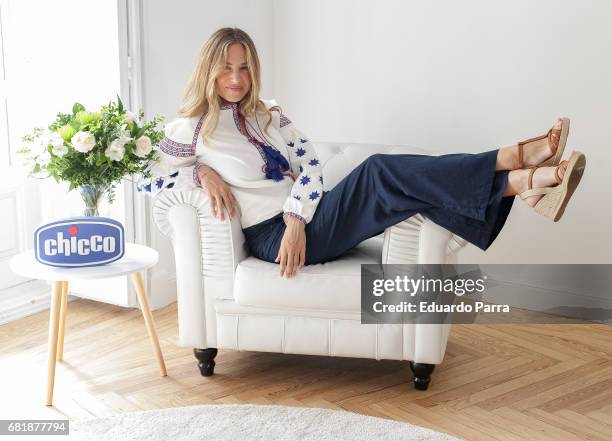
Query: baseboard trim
column 163, row 289
column 545, row 300
column 25, row 299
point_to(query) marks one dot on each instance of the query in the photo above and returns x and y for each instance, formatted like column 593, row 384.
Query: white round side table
column 135, row 259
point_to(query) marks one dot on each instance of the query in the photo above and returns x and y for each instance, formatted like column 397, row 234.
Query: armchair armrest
column 419, row 240
column 207, row 252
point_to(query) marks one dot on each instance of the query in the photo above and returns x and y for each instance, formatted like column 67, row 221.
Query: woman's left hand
column 292, row 252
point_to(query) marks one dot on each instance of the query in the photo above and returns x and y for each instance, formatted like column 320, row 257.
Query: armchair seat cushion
column 329, row 286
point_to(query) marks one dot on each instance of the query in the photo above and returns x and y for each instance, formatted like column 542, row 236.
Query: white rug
column 245, row 422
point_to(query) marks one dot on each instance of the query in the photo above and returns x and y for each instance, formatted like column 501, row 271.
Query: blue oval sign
column 79, row 241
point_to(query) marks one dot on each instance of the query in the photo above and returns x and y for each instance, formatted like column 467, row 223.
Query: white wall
column 451, row 76
column 172, row 35
column 461, row 76
column 174, row 32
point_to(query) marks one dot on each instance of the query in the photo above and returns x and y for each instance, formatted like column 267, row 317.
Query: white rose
column 143, row 146
column 130, row 117
column 83, row 141
column 115, row 150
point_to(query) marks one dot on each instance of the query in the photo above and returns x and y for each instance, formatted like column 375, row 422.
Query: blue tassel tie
column 276, row 163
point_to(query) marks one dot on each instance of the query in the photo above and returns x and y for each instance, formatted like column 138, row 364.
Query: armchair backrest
column 339, row 158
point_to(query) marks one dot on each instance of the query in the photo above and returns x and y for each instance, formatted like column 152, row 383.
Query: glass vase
column 92, row 195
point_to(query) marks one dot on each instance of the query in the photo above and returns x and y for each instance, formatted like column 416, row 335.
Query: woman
column 244, row 151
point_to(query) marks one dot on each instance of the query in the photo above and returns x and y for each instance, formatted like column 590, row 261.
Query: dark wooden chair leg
column 206, row 360
column 421, row 373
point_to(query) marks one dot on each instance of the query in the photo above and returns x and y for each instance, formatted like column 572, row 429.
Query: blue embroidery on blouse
column 301, row 169
column 147, row 185
column 276, row 163
column 314, row 195
column 290, row 144
column 297, row 197
column 300, row 152
column 305, row 180
column 303, row 140
column 314, row 162
column 321, row 179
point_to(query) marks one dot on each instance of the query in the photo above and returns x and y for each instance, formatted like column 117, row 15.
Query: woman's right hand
column 219, row 193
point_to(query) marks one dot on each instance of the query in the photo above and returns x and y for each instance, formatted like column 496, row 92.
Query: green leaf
column 120, row 104
column 77, row 108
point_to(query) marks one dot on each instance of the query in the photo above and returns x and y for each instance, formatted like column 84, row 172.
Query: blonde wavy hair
column 200, row 95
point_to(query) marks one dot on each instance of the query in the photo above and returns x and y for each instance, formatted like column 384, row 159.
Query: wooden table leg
column 148, row 318
column 62, row 322
column 53, row 329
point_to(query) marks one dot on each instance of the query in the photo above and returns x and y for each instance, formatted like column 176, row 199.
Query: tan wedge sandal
column 555, row 199
column 556, row 151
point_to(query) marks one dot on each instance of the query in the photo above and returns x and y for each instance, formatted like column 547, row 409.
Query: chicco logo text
column 79, row 241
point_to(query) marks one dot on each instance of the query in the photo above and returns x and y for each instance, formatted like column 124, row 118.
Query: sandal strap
column 557, row 177
column 521, row 145
column 530, row 178
column 537, row 191
column 540, row 190
column 552, row 146
column 535, row 138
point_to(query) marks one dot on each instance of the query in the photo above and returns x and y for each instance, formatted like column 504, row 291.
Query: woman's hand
column 292, row 252
column 219, row 192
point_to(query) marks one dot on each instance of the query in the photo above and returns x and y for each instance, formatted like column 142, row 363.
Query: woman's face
column 235, row 81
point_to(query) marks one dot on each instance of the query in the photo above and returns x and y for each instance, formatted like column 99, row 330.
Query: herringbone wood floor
column 510, row 382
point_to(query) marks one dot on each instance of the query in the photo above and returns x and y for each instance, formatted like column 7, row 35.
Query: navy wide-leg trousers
column 461, row 192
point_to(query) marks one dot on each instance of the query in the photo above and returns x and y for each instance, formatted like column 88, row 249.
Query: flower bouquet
column 93, row 151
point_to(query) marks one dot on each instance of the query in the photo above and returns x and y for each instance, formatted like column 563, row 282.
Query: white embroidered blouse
column 241, row 160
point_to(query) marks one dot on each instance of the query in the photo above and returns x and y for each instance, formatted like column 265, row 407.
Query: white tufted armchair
column 229, row 299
